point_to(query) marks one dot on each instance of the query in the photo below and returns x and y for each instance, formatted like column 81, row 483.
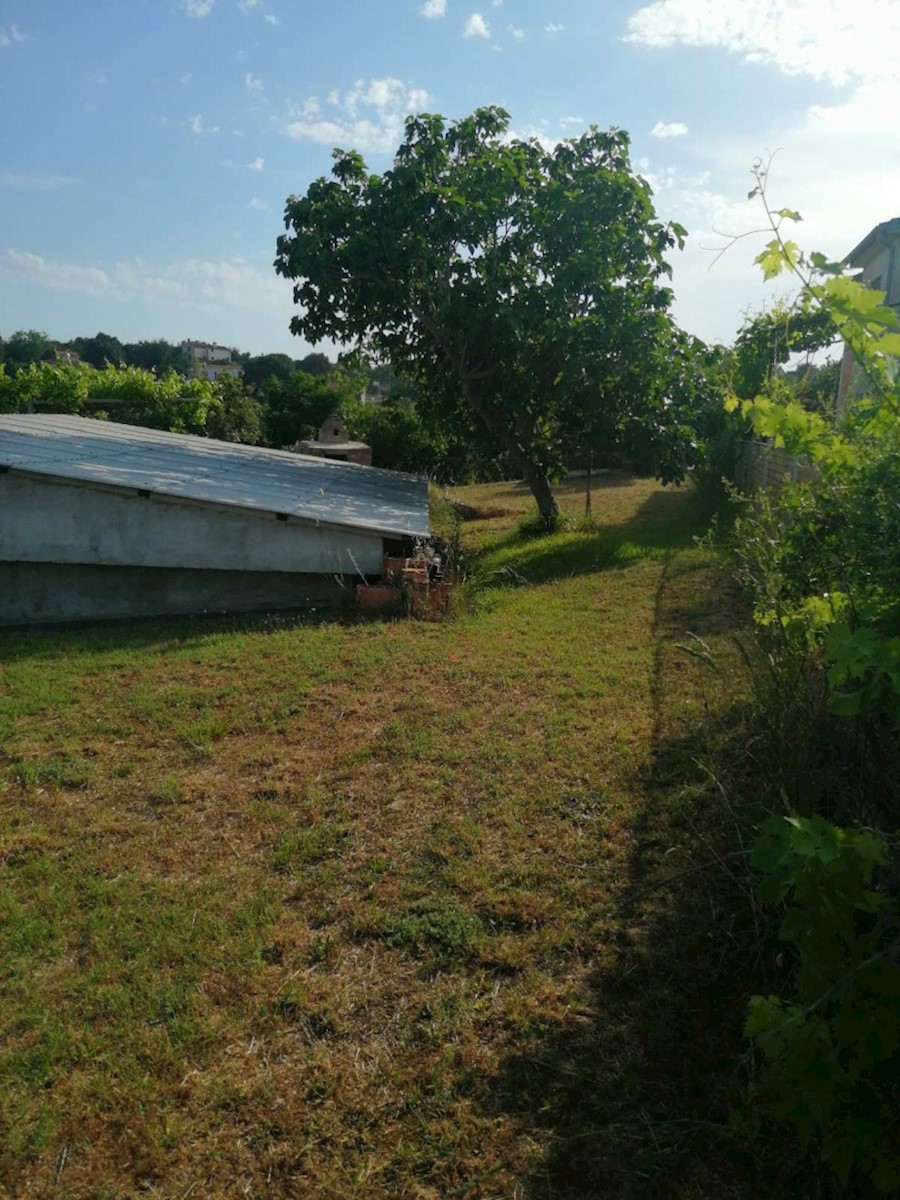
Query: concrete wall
column 50, row 593
column 42, row 520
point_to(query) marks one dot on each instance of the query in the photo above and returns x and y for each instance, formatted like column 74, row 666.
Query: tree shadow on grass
column 636, row 1098
column 667, row 521
column 163, row 634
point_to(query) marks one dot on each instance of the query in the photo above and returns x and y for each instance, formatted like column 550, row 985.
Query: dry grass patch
column 340, row 910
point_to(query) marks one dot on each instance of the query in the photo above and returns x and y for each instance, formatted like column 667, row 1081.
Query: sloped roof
column 887, row 231
column 314, row 490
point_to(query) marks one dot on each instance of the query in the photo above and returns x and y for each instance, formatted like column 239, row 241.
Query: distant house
column 209, row 360
column 333, row 441
column 877, row 259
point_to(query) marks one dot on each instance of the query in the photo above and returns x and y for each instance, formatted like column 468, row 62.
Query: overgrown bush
column 822, row 568
column 830, row 1045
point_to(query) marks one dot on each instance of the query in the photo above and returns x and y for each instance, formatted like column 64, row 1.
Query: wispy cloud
column 669, row 129
column 192, row 282
column 255, row 164
column 198, row 8
column 185, row 79
column 64, row 277
column 253, row 85
column 260, row 204
column 35, row 182
column 518, row 34
column 199, row 126
column 432, row 9
column 476, row 27
column 9, row 36
column 246, row 5
column 368, row 117
column 271, row 19
column 553, row 28
column 572, row 122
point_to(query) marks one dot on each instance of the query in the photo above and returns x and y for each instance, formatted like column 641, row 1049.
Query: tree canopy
column 513, row 284
column 26, row 346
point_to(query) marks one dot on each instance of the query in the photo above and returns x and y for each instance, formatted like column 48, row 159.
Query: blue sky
column 149, row 145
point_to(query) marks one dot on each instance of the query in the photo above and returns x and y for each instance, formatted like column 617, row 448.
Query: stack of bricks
column 405, row 580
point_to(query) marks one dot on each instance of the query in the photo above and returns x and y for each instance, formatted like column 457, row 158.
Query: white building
column 206, row 352
column 877, row 259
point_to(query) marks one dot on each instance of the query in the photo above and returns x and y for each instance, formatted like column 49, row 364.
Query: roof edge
column 223, row 505
column 872, row 237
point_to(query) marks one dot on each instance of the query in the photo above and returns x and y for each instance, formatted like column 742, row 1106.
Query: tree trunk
column 536, row 479
column 540, row 489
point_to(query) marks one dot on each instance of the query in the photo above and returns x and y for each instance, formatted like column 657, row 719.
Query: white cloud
column 368, row 117
column 260, row 204
column 270, row 19
column 246, row 5
column 572, row 122
column 199, row 127
column 432, row 9
column 551, row 28
column 476, row 27
column 191, row 282
column 837, row 40
column 668, row 129
column 839, row 166
column 839, row 162
column 255, row 164
column 253, row 85
column 198, row 8
column 518, row 34
column 35, row 182
column 14, row 34
column 64, row 277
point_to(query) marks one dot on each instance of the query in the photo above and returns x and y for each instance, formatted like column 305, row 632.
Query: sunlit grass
column 287, row 907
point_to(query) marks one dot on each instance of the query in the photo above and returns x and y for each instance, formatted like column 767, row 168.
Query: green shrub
column 830, row 1046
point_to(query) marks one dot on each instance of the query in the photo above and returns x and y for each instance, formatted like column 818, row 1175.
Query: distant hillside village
column 350, row 412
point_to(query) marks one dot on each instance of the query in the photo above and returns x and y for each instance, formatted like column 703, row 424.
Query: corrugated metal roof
column 317, row 490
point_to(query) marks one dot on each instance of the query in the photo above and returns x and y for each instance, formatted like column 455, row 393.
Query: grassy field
column 298, row 908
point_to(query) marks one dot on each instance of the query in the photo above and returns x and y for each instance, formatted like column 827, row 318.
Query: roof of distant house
column 887, row 231
column 314, row 490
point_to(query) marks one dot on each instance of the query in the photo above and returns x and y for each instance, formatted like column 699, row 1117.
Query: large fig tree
column 512, row 283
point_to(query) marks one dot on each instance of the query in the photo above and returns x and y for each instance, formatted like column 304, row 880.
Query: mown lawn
column 379, row 909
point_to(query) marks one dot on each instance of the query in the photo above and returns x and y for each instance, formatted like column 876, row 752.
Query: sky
column 148, row 146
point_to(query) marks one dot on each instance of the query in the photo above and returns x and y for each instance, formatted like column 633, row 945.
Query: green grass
column 379, row 909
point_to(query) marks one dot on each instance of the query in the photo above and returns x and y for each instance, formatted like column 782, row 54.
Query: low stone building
column 105, row 520
column 333, row 441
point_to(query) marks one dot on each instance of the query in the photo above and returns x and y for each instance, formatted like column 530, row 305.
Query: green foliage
column 767, row 341
column 295, row 407
column 315, row 364
column 267, row 366
column 831, row 1050
column 24, row 347
column 237, row 416
column 439, row 926
column 125, row 394
column 100, row 350
column 514, row 286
